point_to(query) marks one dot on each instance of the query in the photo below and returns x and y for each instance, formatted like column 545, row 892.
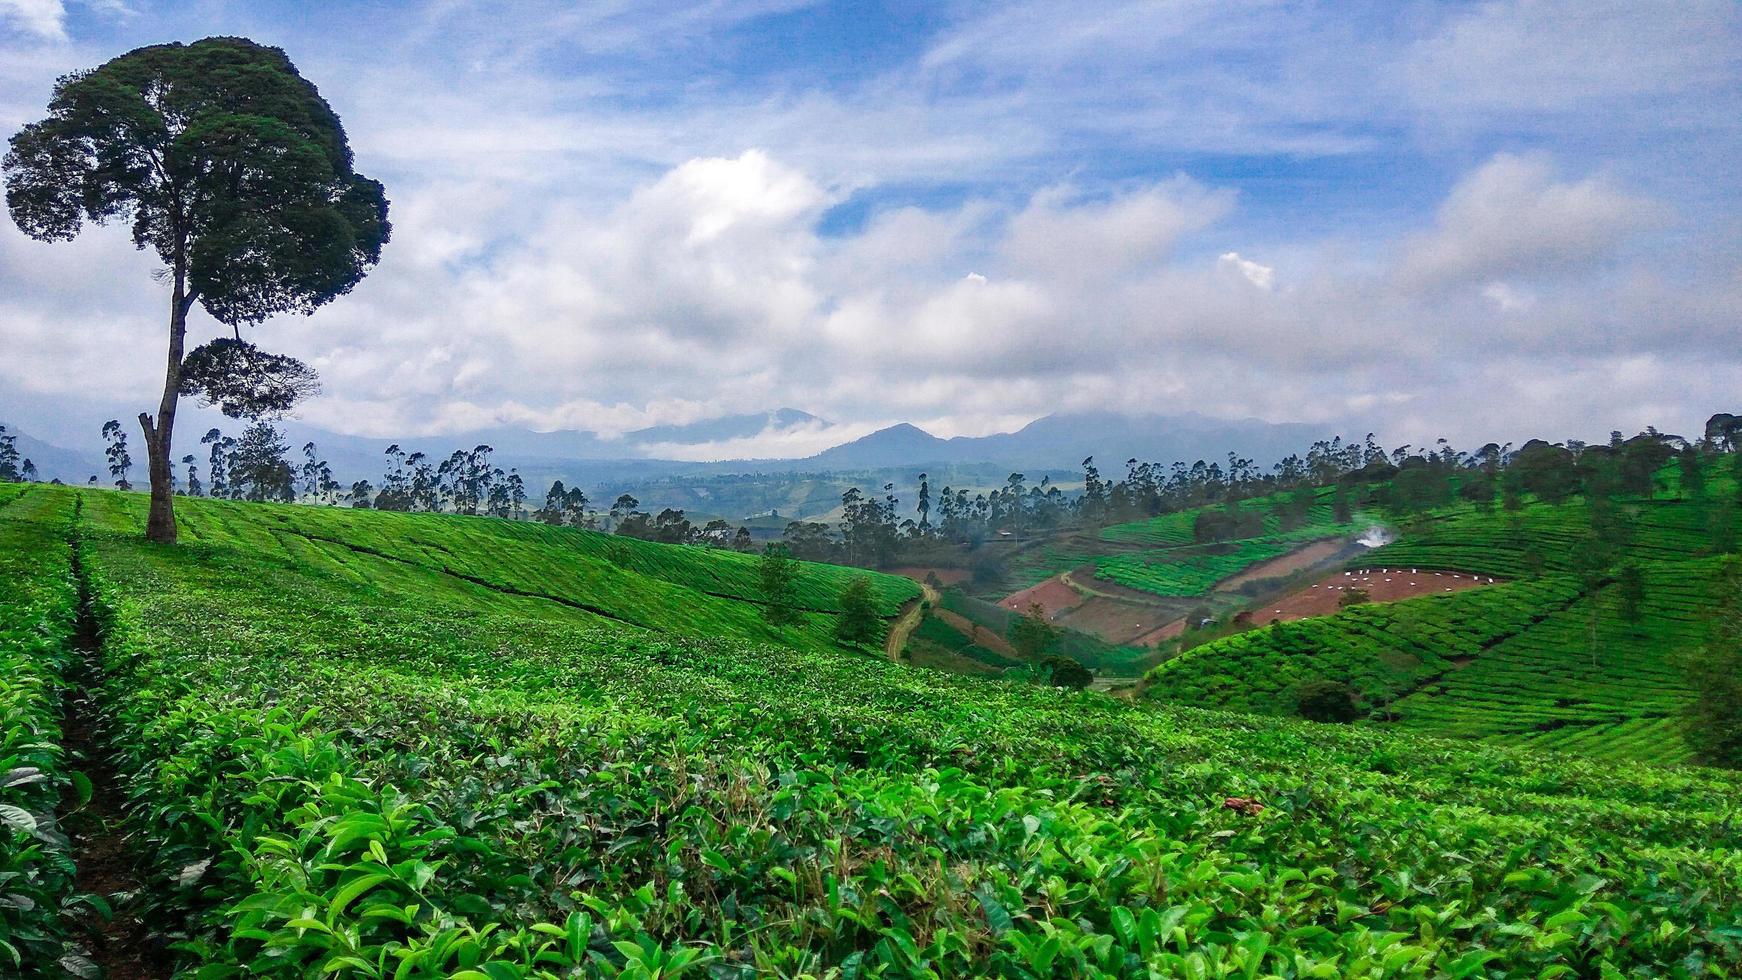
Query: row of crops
column 1177, row 529
column 1383, row 650
column 527, row 568
column 1170, row 573
column 38, row 605
column 1533, row 662
column 1600, row 685
column 356, row 778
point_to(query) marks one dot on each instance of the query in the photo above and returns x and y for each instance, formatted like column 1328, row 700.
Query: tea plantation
column 342, row 763
column 1542, row 659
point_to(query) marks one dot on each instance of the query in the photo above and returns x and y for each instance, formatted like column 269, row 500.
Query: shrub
column 1065, row 672
column 1327, row 700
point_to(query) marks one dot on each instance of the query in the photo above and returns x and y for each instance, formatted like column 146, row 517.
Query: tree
column 8, row 455
column 1327, row 700
column 194, row 487
column 777, row 574
column 258, row 469
column 217, row 466
column 1712, row 721
column 233, row 169
column 858, row 623
column 1065, row 672
column 120, row 461
column 1630, row 589
column 1353, row 597
column 1032, row 636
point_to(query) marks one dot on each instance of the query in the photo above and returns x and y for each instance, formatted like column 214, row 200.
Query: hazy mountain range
column 1055, row 442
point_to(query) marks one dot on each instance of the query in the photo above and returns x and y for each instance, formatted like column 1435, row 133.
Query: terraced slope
column 522, row 567
column 1536, row 661
column 409, row 777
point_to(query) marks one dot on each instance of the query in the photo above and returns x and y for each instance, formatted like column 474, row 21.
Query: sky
column 1488, row 220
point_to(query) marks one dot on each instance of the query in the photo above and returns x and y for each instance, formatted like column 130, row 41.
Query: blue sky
column 1479, row 220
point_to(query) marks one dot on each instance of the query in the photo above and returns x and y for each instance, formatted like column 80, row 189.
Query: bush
column 1324, row 700
column 1065, row 672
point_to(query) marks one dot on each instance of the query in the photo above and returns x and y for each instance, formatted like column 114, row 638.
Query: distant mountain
column 1062, row 441
column 58, row 463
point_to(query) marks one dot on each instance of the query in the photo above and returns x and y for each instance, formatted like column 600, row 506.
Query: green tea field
column 339, row 763
column 1543, row 659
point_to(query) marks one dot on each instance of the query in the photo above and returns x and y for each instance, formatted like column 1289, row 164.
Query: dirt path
column 1300, row 558
column 909, row 621
column 123, row 947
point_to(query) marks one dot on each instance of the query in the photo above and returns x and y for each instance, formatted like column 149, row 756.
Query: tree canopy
column 231, row 167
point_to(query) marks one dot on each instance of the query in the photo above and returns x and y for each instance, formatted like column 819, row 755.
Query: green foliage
column 375, row 776
column 37, row 610
column 1031, row 635
column 1713, row 720
column 1577, row 653
column 1065, row 672
column 1325, row 700
column 858, row 623
column 776, row 573
column 1276, row 525
column 228, row 163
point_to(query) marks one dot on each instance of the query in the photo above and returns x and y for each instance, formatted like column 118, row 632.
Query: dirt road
column 908, row 621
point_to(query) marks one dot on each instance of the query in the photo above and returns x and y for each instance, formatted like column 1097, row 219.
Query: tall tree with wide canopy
column 231, row 166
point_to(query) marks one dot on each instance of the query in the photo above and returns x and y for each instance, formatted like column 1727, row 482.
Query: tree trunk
column 160, row 523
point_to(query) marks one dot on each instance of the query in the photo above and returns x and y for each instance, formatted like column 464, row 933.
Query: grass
column 338, row 768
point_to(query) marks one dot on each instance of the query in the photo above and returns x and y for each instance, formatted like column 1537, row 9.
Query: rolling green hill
column 518, row 567
column 1542, row 659
column 343, row 763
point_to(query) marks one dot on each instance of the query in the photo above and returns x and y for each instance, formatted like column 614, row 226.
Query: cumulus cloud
column 42, row 18
column 1513, row 216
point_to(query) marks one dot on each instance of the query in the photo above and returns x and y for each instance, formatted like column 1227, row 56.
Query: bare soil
column 1381, row 585
column 1053, row 595
column 1294, row 561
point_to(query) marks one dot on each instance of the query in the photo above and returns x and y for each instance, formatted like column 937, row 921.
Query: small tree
column 777, row 573
column 1065, row 672
column 120, row 461
column 231, row 167
column 1353, row 597
column 1630, row 590
column 1327, row 700
column 8, row 456
column 1712, row 721
column 1032, row 636
column 858, row 623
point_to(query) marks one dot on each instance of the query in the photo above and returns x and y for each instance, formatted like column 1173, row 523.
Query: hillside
column 1544, row 657
column 340, row 761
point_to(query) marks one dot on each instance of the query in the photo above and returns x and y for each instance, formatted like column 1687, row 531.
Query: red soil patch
column 948, row 576
column 1294, row 561
column 1053, row 595
column 1118, row 622
column 1167, row 632
column 1381, row 585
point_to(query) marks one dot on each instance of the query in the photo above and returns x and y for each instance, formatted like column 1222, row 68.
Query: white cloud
column 1262, row 276
column 1513, row 217
column 45, row 19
